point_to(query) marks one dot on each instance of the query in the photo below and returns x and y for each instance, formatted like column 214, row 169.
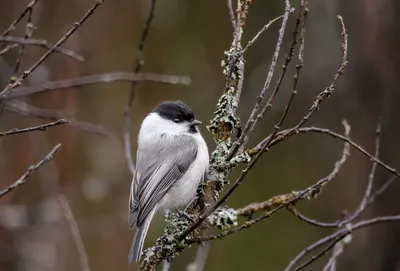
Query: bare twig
column 73, row 227
column 320, row 98
column 338, row 249
column 371, row 177
column 284, row 134
column 340, row 234
column 21, row 16
column 232, row 14
column 279, row 202
column 9, row 88
column 42, row 127
column 25, row 109
column 98, row 79
column 30, row 170
column 249, row 125
column 138, row 65
column 201, row 256
column 321, row 253
column 382, row 189
column 265, row 28
column 29, row 29
column 329, row 90
column 40, row 43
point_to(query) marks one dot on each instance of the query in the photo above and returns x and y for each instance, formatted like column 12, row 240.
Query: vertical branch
column 29, row 29
column 251, row 121
column 232, row 14
column 138, row 66
column 21, row 16
column 73, row 227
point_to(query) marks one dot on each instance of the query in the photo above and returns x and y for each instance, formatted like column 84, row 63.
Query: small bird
column 171, row 160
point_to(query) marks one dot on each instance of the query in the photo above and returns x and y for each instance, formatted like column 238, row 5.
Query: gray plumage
column 156, row 172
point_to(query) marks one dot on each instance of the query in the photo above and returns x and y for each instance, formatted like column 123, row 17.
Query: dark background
column 189, row 37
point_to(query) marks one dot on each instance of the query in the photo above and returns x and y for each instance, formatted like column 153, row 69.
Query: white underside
column 184, row 190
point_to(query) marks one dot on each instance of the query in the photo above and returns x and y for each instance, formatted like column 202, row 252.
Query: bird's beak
column 195, row 122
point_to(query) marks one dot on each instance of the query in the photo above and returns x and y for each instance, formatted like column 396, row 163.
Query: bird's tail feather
column 138, row 240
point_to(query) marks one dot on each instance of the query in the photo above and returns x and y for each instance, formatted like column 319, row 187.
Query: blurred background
column 189, row 38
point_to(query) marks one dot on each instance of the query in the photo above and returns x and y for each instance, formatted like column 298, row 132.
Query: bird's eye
column 177, row 120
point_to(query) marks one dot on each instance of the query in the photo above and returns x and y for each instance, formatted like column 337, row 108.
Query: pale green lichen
column 223, row 218
column 175, row 226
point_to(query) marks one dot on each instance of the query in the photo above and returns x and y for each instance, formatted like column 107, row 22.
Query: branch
column 21, row 16
column 42, row 44
column 278, row 202
column 232, row 14
column 98, row 79
column 30, row 170
column 340, row 234
column 73, row 227
column 9, row 88
column 138, row 66
column 285, row 134
column 252, row 119
column 25, row 109
column 42, row 127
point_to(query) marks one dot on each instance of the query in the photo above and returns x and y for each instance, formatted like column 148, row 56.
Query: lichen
column 171, row 247
column 223, row 218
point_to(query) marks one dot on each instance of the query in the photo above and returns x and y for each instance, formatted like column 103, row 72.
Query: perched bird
column 171, row 161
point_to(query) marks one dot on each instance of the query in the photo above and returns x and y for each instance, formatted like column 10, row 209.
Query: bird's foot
column 184, row 214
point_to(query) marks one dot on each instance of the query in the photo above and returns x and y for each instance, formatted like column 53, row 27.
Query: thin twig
column 29, row 29
column 322, row 253
column 268, row 105
column 25, row 109
column 311, row 221
column 265, row 28
column 329, row 90
column 382, row 189
column 30, row 170
column 9, row 88
column 283, row 201
column 232, row 14
column 42, row 127
column 42, row 44
column 286, row 133
column 200, row 260
column 320, row 98
column 73, row 227
column 138, row 65
column 341, row 233
column 21, row 16
column 98, row 79
column 268, row 80
column 371, row 177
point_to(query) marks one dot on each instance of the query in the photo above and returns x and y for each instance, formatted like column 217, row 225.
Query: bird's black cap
column 176, row 111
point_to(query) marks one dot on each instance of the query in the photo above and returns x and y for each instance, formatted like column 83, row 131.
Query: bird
column 172, row 159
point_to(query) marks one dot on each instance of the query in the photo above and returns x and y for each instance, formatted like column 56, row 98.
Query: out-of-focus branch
column 25, row 109
column 139, row 62
column 74, row 229
column 21, row 16
column 29, row 171
column 42, row 127
column 9, row 88
column 39, row 43
column 338, row 235
column 104, row 78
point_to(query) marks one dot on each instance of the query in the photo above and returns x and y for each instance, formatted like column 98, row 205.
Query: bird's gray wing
column 165, row 163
